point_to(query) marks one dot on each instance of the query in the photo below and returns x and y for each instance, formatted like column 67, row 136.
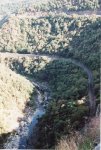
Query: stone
column 98, row 147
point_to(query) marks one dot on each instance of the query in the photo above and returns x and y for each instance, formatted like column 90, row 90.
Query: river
column 19, row 138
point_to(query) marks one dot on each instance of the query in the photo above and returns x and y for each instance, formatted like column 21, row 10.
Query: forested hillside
column 67, row 37
column 15, row 91
column 51, row 34
column 76, row 38
column 70, row 84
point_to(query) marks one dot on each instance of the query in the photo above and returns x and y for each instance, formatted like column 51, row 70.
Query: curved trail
column 4, row 20
column 40, row 14
column 75, row 62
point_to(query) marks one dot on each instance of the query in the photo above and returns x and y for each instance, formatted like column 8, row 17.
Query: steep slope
column 15, row 91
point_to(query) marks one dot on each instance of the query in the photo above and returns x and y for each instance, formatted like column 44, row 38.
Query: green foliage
column 86, row 44
column 26, row 66
column 68, row 82
column 86, row 145
column 65, row 79
column 86, row 47
column 49, row 34
column 60, row 119
column 78, row 48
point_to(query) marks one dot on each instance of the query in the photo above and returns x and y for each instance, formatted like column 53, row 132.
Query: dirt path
column 3, row 20
column 39, row 14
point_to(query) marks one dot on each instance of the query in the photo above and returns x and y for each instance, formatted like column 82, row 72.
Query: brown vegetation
column 85, row 141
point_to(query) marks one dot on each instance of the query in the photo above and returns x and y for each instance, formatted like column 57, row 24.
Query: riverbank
column 19, row 138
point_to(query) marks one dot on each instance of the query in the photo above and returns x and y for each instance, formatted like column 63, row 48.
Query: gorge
column 50, row 76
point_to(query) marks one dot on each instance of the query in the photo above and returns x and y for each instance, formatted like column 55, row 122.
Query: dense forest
column 65, row 36
column 67, row 79
column 49, row 34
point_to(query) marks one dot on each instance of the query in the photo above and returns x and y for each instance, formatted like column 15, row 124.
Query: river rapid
column 27, row 125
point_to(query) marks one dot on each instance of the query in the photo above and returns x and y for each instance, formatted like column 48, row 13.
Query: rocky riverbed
column 18, row 139
column 13, row 140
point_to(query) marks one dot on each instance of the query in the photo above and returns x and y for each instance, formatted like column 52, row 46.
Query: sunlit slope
column 15, row 91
